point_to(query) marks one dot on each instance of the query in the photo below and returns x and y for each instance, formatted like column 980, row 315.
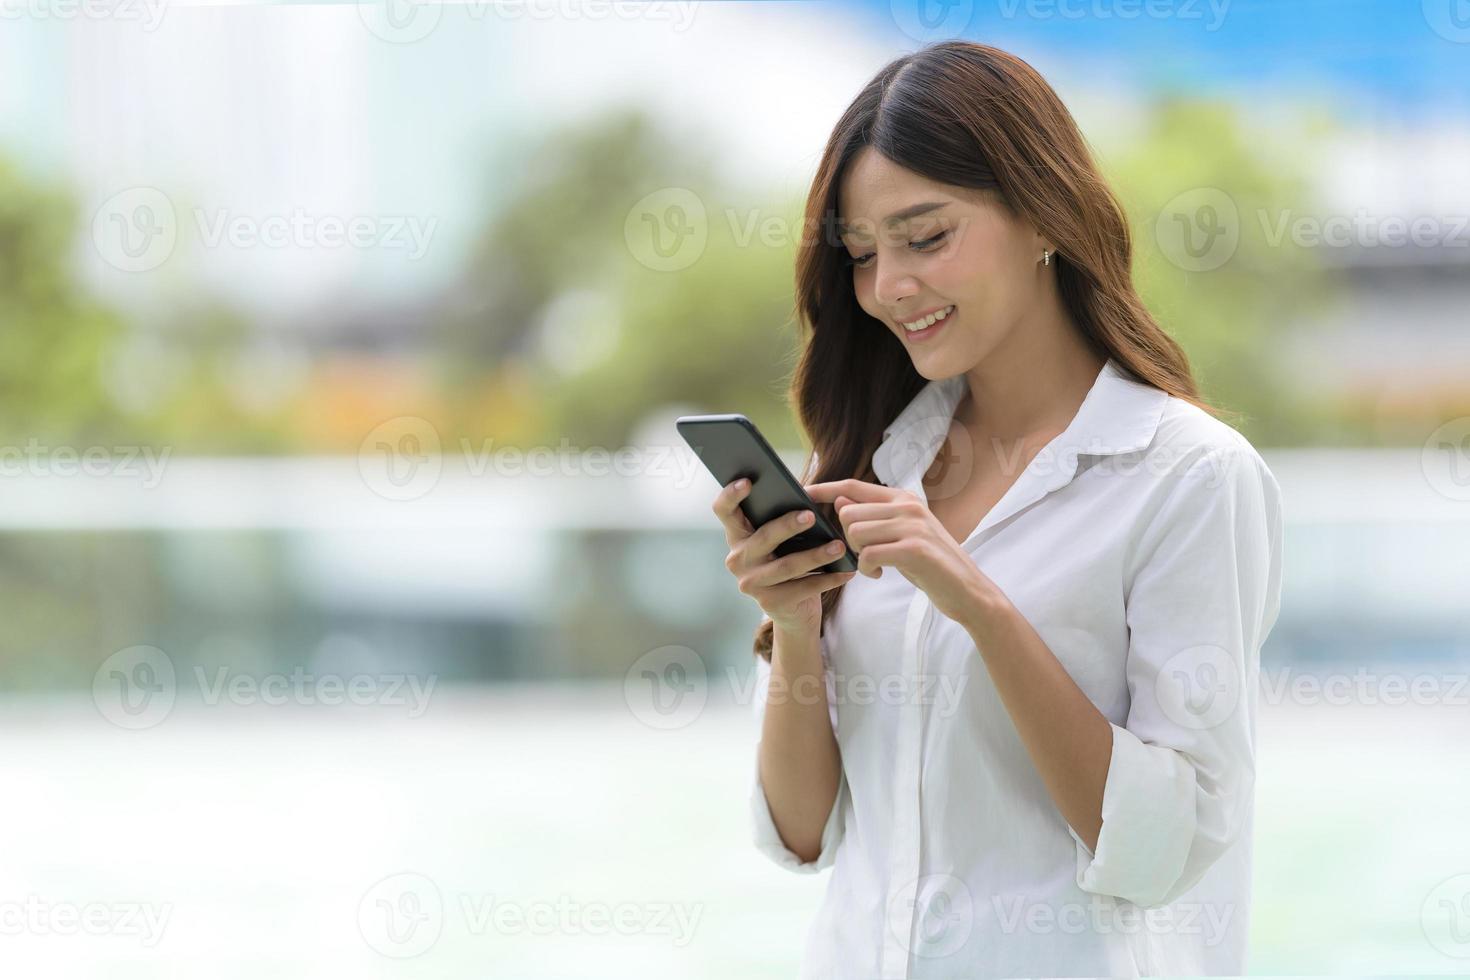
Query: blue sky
column 1373, row 55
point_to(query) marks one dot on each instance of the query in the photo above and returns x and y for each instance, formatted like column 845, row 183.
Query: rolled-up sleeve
column 767, row 838
column 1204, row 593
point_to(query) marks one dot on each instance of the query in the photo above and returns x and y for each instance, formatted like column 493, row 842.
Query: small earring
column 1045, row 257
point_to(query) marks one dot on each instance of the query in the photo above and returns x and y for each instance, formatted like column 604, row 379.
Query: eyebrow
column 912, row 211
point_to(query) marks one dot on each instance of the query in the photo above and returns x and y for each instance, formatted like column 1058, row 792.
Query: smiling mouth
column 928, row 321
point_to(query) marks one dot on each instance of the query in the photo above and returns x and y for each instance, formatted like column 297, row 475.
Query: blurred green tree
column 562, row 325
column 1195, row 172
column 599, row 336
column 54, row 336
column 552, row 306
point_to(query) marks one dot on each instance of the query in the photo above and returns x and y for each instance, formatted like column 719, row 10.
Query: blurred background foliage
column 54, row 337
column 553, row 330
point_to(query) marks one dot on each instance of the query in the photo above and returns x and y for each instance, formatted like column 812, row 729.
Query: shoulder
column 1191, row 442
column 1210, row 492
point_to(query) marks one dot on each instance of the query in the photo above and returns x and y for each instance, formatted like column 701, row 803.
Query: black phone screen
column 731, row 447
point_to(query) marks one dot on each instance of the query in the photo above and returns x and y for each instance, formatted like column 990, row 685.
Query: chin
column 937, row 368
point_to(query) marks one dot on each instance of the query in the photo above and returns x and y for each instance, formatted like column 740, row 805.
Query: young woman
column 1024, row 739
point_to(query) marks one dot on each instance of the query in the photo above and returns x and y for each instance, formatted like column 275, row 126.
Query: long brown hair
column 970, row 116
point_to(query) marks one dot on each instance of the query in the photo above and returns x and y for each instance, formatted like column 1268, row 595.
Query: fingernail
column 835, row 548
column 805, row 517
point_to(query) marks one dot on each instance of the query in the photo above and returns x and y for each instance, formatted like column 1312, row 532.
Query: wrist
column 799, row 640
column 986, row 614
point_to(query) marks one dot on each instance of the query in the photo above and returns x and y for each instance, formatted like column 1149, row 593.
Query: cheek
column 994, row 267
column 862, row 288
column 970, row 274
column 976, row 263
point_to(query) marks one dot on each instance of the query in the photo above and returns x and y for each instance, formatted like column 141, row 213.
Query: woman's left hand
column 885, row 526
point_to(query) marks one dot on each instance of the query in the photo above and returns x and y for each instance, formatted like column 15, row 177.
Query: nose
column 892, row 284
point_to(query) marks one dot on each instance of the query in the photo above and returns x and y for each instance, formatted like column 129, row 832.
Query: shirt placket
column 903, row 867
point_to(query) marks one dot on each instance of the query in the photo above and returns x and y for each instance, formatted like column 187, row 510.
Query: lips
column 917, row 320
column 935, row 325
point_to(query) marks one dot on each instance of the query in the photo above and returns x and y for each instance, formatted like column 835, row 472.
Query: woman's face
column 985, row 263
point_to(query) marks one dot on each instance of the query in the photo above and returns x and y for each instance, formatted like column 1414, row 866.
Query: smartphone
column 731, row 447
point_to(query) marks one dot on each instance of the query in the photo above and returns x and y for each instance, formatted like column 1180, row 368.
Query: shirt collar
column 1118, row 415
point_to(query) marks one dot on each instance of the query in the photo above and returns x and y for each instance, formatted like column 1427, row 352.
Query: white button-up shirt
column 1143, row 544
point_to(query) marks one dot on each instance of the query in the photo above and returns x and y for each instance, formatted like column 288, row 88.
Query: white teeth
column 929, row 320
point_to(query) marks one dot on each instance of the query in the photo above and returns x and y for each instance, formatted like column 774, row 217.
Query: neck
column 1030, row 387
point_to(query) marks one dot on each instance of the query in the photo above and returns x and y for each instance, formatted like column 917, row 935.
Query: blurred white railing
column 667, row 490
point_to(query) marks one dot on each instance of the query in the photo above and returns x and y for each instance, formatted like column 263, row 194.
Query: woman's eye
column 926, row 244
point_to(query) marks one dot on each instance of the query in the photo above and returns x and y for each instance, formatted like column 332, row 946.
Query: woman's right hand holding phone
column 781, row 586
